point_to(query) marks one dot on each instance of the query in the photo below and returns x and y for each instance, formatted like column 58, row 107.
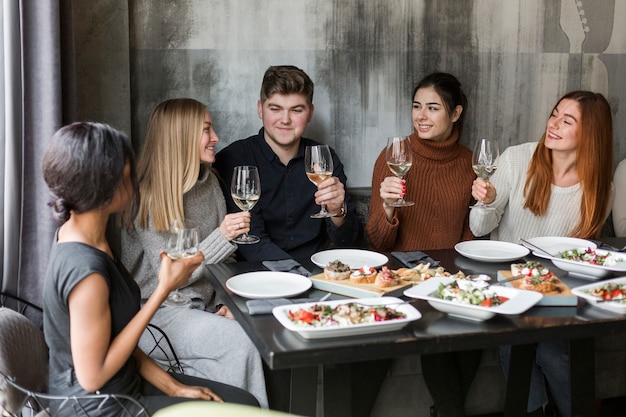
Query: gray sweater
column 205, row 205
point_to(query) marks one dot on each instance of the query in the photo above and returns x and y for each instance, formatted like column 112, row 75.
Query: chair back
column 209, row 408
column 23, row 359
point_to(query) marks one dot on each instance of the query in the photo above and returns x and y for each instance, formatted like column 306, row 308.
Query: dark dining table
column 286, row 351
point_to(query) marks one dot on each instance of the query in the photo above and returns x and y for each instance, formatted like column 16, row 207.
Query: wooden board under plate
column 562, row 296
column 351, row 289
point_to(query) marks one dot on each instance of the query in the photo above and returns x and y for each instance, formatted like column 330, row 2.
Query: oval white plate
column 355, row 258
column 518, row 300
column 309, row 332
column 268, row 284
column 491, row 250
column 556, row 244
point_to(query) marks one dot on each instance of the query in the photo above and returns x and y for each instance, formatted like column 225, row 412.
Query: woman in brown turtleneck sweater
column 439, row 182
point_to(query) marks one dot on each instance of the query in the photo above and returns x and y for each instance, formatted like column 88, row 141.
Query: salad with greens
column 590, row 256
column 469, row 292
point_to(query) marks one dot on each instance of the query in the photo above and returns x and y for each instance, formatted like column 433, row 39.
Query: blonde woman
column 176, row 181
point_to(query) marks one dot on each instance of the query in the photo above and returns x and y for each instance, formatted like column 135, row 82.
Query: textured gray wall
column 514, row 58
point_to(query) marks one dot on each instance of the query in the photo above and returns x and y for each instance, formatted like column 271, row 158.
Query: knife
column 504, row 281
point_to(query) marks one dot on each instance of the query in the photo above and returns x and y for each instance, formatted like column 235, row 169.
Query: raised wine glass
column 318, row 163
column 399, row 161
column 245, row 189
column 484, row 163
column 182, row 243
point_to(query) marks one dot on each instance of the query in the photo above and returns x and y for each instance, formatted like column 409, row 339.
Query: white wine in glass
column 182, row 243
column 485, row 163
column 399, row 160
column 245, row 189
column 318, row 164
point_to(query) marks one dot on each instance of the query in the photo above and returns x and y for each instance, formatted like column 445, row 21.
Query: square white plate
column 491, row 250
column 518, row 300
column 584, row 292
column 309, row 332
column 585, row 270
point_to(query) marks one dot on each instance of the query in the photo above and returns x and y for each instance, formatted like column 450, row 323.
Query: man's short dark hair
column 285, row 80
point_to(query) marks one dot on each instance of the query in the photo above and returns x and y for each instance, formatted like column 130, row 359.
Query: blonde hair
column 594, row 157
column 169, row 163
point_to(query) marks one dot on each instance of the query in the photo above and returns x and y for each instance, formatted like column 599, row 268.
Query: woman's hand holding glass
column 182, row 243
column 484, row 163
column 245, row 189
column 174, row 274
column 399, row 156
column 235, row 224
column 483, row 191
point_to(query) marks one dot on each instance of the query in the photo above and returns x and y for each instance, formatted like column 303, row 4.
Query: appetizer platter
column 608, row 295
column 536, row 277
column 465, row 299
column 346, row 317
column 367, row 281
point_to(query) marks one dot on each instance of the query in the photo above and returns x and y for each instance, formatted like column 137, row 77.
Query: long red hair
column 594, row 162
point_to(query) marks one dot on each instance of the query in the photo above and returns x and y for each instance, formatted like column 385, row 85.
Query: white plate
column 556, row 244
column 518, row 300
column 268, row 284
column 307, row 332
column 583, row 292
column 585, row 270
column 491, row 250
column 355, row 258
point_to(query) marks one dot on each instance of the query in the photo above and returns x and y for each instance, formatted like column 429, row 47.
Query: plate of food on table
column 534, row 276
column 473, row 300
column 368, row 281
column 608, row 295
column 347, row 317
column 587, row 262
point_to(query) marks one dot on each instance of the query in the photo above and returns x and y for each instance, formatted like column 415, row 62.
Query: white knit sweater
column 510, row 221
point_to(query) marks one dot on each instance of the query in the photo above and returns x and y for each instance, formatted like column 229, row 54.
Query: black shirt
column 281, row 218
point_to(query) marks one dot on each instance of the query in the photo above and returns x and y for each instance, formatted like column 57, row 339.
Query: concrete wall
column 515, row 58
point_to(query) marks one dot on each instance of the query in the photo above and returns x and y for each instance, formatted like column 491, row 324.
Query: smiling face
column 208, row 140
column 285, row 118
column 563, row 126
column 430, row 117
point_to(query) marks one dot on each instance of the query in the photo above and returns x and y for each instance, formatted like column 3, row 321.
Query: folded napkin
column 287, row 265
column 265, row 306
column 411, row 259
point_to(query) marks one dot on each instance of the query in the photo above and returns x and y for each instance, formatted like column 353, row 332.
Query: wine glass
column 318, row 164
column 245, row 189
column 484, row 163
column 182, row 243
column 399, row 161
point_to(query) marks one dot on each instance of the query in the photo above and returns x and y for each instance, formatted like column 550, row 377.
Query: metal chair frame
column 37, row 401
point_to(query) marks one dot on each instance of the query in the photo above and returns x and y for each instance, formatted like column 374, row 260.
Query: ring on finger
column 241, row 225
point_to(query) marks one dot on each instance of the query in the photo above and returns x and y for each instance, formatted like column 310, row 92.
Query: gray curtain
column 31, row 111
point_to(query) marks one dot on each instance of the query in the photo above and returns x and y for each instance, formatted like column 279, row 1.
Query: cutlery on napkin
column 265, row 306
column 287, row 265
column 414, row 258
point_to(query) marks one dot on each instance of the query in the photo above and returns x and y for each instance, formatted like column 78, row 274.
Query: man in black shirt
column 281, row 218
